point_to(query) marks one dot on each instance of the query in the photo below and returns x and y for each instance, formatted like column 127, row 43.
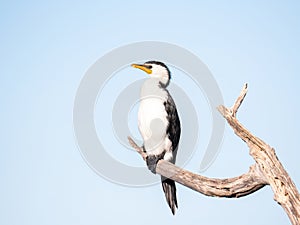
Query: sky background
column 45, row 50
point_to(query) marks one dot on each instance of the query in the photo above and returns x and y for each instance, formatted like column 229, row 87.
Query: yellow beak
column 142, row 67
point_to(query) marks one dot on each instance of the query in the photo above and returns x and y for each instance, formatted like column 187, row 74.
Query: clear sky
column 46, row 49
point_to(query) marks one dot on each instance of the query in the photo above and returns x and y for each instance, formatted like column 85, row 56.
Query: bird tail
column 170, row 193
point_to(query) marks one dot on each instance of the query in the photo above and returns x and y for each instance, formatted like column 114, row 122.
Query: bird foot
column 152, row 161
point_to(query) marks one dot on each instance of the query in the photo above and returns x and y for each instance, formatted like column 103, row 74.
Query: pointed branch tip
column 239, row 100
column 137, row 148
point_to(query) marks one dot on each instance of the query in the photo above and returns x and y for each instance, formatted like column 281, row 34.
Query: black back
column 173, row 129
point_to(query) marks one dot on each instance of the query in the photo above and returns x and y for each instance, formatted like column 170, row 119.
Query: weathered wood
column 230, row 187
column 267, row 170
column 285, row 191
column 239, row 100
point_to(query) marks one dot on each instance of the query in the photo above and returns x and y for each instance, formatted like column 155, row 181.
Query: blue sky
column 46, row 48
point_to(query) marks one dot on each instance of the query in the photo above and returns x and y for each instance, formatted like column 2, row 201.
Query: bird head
column 157, row 70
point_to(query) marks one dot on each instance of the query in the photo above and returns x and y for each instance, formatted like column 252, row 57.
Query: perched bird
column 159, row 123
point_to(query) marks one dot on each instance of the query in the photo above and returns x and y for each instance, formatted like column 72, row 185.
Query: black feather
column 173, row 129
column 170, row 193
column 173, row 132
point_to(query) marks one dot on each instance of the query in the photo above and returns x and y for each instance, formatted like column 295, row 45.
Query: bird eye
column 149, row 67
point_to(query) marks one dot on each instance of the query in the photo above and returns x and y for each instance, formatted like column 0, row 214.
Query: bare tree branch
column 271, row 169
column 229, row 188
column 137, row 148
column 239, row 100
column 266, row 171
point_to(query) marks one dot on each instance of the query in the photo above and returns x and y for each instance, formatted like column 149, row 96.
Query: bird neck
column 162, row 82
column 153, row 87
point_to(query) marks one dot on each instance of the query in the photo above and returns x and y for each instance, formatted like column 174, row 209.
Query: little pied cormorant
column 159, row 123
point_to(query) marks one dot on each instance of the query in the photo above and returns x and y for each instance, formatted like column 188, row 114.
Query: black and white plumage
column 159, row 123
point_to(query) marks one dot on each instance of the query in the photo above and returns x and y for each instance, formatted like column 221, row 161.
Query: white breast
column 152, row 117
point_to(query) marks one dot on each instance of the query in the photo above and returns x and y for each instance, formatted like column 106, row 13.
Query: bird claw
column 151, row 161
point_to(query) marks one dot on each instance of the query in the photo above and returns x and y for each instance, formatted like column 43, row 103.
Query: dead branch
column 229, row 188
column 271, row 169
column 266, row 171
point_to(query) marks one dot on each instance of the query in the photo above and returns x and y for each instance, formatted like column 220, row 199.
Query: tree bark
column 267, row 170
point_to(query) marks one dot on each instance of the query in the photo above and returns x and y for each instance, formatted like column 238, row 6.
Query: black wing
column 173, row 129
